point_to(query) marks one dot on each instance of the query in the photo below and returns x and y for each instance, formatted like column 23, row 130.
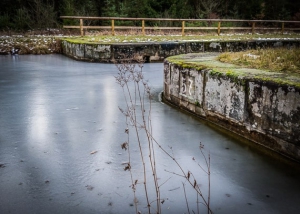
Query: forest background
column 41, row 14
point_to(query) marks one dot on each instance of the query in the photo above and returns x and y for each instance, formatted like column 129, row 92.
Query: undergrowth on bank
column 49, row 43
column 30, row 45
column 272, row 59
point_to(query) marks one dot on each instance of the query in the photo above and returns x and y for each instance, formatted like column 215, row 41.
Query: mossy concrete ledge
column 158, row 51
column 262, row 106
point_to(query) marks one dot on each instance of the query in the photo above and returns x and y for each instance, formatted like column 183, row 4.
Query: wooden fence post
column 113, row 27
column 219, row 28
column 143, row 27
column 251, row 24
column 81, row 27
column 253, row 27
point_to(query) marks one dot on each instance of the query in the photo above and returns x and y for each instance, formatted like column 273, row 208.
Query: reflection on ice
column 39, row 118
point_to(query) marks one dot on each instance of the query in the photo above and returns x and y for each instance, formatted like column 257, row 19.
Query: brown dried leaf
column 124, row 145
column 128, row 167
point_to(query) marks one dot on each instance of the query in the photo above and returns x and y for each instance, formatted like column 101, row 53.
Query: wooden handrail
column 183, row 26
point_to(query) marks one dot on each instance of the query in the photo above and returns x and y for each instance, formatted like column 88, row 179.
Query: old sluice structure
column 263, row 107
column 247, row 102
column 158, row 51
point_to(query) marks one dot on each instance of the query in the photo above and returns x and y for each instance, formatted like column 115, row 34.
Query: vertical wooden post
column 253, row 27
column 143, row 27
column 182, row 28
column 219, row 28
column 282, row 27
column 113, row 27
column 81, row 27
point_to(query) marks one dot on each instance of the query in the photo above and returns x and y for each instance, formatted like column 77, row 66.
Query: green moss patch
column 209, row 61
column 124, row 38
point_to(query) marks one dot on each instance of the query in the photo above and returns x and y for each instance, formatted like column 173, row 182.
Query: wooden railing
column 252, row 24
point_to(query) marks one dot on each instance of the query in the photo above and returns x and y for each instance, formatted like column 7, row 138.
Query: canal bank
column 261, row 106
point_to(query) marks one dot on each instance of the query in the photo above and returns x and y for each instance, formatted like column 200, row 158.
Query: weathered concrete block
column 79, row 50
column 175, row 80
column 194, row 47
column 265, row 111
column 225, row 97
column 102, row 52
column 239, row 46
column 171, row 48
column 89, row 52
column 275, row 110
column 157, row 51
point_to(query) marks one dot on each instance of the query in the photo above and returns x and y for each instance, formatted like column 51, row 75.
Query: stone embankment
column 158, row 51
column 259, row 105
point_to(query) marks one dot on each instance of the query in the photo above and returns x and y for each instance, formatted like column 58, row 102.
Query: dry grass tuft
column 272, row 59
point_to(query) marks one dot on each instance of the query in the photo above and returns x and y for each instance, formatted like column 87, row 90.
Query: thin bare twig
column 186, row 201
column 136, row 105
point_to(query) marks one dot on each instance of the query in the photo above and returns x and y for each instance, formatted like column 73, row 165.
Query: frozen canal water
column 60, row 136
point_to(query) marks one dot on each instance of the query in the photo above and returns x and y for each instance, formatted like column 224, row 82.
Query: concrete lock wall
column 158, row 51
column 261, row 111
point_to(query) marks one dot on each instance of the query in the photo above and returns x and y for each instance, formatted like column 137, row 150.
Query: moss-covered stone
column 260, row 105
column 202, row 61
